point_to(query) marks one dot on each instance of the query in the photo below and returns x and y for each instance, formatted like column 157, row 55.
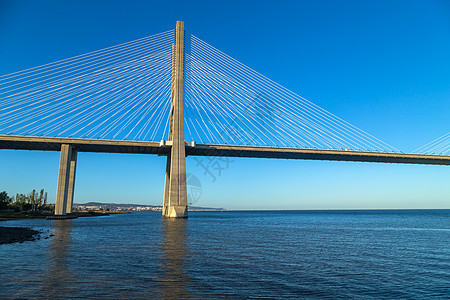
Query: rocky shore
column 9, row 235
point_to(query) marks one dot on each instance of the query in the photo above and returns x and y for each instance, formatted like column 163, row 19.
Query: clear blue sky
column 383, row 66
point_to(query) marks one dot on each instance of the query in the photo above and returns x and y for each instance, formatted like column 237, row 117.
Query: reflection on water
column 59, row 279
column 174, row 252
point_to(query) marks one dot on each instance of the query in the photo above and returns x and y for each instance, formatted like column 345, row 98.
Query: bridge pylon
column 175, row 191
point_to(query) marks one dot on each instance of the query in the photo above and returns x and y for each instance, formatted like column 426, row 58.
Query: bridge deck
column 109, row 146
column 81, row 145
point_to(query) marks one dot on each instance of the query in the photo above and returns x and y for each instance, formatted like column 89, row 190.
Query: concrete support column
column 175, row 193
column 167, row 183
column 71, row 186
column 63, row 180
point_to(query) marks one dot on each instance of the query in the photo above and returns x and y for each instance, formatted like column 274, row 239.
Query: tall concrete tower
column 175, row 193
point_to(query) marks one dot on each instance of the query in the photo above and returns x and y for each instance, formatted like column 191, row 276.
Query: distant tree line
column 25, row 202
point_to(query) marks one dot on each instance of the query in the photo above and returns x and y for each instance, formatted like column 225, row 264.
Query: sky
column 383, row 66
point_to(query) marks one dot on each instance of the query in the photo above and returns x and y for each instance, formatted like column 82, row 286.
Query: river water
column 235, row 255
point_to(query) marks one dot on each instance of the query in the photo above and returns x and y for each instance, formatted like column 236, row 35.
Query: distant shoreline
column 117, row 207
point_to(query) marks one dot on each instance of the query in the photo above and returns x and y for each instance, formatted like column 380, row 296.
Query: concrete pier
column 175, row 193
column 63, row 180
column 66, row 180
column 71, row 186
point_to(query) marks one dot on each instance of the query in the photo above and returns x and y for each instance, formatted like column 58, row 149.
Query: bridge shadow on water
column 174, row 281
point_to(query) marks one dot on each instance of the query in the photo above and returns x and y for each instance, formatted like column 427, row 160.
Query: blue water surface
column 381, row 254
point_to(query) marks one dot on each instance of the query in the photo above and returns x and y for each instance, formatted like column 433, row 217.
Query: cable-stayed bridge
column 173, row 94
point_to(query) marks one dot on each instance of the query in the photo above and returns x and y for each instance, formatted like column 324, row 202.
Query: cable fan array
column 121, row 92
column 228, row 103
column 439, row 146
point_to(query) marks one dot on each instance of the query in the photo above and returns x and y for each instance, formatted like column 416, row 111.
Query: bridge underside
column 110, row 146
